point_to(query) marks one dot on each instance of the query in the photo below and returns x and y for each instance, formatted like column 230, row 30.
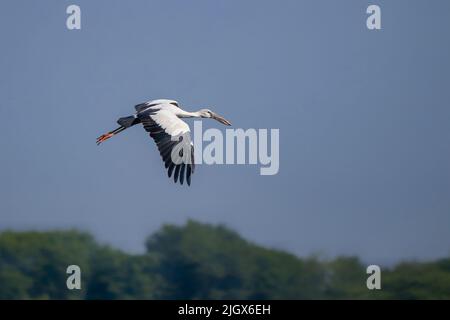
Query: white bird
column 161, row 118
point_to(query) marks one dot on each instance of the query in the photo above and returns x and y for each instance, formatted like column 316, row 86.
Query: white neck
column 187, row 114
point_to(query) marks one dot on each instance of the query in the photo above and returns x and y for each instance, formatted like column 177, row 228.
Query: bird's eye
column 174, row 104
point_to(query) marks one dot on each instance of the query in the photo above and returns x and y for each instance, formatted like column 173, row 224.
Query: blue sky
column 363, row 118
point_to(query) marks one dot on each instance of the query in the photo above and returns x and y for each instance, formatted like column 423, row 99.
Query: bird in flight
column 162, row 119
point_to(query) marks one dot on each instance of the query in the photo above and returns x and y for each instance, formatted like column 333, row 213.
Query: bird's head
column 206, row 113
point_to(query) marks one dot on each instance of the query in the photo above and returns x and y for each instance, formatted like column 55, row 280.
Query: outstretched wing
column 173, row 139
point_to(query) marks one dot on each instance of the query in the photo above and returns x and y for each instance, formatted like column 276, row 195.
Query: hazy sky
column 364, row 119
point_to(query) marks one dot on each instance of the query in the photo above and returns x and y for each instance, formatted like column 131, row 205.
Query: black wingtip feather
column 188, row 174
column 171, row 167
column 177, row 171
column 182, row 173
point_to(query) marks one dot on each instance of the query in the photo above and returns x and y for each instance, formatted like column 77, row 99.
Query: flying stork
column 161, row 118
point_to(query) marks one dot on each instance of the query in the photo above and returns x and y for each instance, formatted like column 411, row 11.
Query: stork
column 162, row 119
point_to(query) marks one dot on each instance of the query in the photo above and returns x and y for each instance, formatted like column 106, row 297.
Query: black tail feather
column 128, row 121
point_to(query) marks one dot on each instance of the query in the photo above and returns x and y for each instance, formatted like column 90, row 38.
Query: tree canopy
column 197, row 261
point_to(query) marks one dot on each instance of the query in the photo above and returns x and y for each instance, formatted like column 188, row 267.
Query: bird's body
column 162, row 119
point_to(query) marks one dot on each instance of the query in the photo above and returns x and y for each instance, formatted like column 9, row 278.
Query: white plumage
column 162, row 119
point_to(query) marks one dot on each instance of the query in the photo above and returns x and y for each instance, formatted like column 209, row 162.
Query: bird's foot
column 104, row 137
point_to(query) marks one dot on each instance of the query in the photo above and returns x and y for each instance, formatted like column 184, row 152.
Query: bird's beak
column 221, row 119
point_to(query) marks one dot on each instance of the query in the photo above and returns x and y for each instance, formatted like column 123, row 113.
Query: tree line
column 197, row 261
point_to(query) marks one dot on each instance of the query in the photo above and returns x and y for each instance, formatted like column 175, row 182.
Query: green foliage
column 33, row 264
column 197, row 261
column 201, row 262
column 415, row 280
column 347, row 279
